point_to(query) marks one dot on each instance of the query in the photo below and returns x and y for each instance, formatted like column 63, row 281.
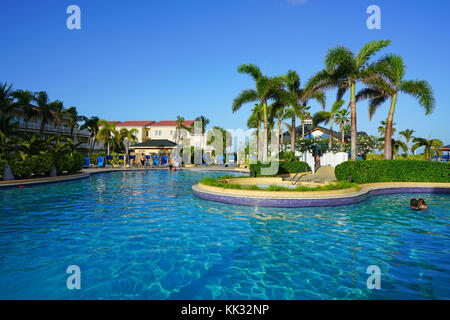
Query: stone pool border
column 86, row 173
column 293, row 199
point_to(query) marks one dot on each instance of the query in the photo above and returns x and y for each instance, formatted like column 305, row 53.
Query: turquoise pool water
column 143, row 235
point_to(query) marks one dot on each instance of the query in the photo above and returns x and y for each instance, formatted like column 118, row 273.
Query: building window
column 146, row 133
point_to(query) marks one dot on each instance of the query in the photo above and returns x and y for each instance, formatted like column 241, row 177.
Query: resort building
column 50, row 128
column 312, row 131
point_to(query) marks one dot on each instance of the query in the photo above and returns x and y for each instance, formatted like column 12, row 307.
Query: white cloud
column 295, row 2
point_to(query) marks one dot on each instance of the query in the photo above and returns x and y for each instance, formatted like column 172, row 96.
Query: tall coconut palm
column 298, row 99
column 389, row 87
column 106, row 133
column 266, row 89
column 24, row 100
column 277, row 113
column 429, row 145
column 91, row 125
column 129, row 136
column 328, row 117
column 204, row 123
column 343, row 119
column 408, row 135
column 45, row 109
column 344, row 69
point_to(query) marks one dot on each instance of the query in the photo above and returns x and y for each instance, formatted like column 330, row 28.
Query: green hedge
column 373, row 156
column 371, row 171
column 285, row 167
column 70, row 163
column 2, row 165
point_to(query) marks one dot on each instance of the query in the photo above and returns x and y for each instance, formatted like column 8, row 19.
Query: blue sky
column 154, row 60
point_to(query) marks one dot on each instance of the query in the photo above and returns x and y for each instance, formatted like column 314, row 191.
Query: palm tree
column 129, row 136
column 74, row 118
column 70, row 145
column 7, row 126
column 389, row 86
column 6, row 97
column 408, row 135
column 91, row 125
column 382, row 128
column 344, row 70
column 255, row 120
column 266, row 88
column 429, row 145
column 106, row 133
column 45, row 109
column 343, row 119
column 298, row 99
column 59, row 113
column 328, row 117
column 180, row 121
column 278, row 111
column 203, row 122
column 23, row 100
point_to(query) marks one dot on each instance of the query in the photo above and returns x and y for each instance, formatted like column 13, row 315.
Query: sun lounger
column 100, row 162
column 108, row 161
column 87, row 161
column 155, row 160
column 220, row 160
column 164, row 160
column 122, row 157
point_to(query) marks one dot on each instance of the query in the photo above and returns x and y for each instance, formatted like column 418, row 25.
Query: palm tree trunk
column 293, row 134
column 108, row 147
column 266, row 134
column 343, row 138
column 330, row 142
column 353, row 121
column 303, row 129
column 277, row 148
column 388, row 133
column 41, row 128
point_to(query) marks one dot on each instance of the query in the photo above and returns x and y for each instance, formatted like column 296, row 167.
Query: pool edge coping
column 292, row 199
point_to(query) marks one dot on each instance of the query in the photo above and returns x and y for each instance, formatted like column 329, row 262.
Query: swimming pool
column 143, row 235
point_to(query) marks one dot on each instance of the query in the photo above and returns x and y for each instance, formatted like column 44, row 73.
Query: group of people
column 418, row 204
column 141, row 161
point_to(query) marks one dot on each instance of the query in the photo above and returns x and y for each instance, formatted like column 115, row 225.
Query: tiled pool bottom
column 143, row 235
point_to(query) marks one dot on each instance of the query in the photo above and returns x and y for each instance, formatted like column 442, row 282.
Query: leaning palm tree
column 298, row 99
column 266, row 89
column 389, row 87
column 408, row 135
column 429, row 145
column 328, row 117
column 23, row 100
column 91, row 125
column 343, row 119
column 45, row 109
column 344, row 69
column 106, row 133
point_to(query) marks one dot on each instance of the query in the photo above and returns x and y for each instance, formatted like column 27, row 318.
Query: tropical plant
column 266, row 89
column 390, row 85
column 6, row 97
column 129, row 136
column 23, row 100
column 408, row 135
column 254, row 122
column 343, row 119
column 74, row 118
column 106, row 133
column 91, row 125
column 382, row 128
column 298, row 100
column 344, row 69
column 59, row 113
column 328, row 117
column 430, row 146
column 45, row 109
column 180, row 121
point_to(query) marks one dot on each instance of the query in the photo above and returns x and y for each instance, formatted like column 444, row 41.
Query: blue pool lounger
column 87, row 162
column 100, row 162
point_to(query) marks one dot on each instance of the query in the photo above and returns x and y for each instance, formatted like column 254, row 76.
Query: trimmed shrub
column 373, row 156
column 77, row 161
column 21, row 168
column 93, row 157
column 2, row 165
column 285, row 167
column 287, row 156
column 371, row 171
column 42, row 164
column 70, row 163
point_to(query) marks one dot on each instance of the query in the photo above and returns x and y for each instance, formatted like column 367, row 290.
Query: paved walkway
column 322, row 175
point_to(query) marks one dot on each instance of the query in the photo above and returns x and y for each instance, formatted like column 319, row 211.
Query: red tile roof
column 171, row 123
column 135, row 123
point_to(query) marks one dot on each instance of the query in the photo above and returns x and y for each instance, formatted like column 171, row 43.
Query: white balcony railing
column 33, row 126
